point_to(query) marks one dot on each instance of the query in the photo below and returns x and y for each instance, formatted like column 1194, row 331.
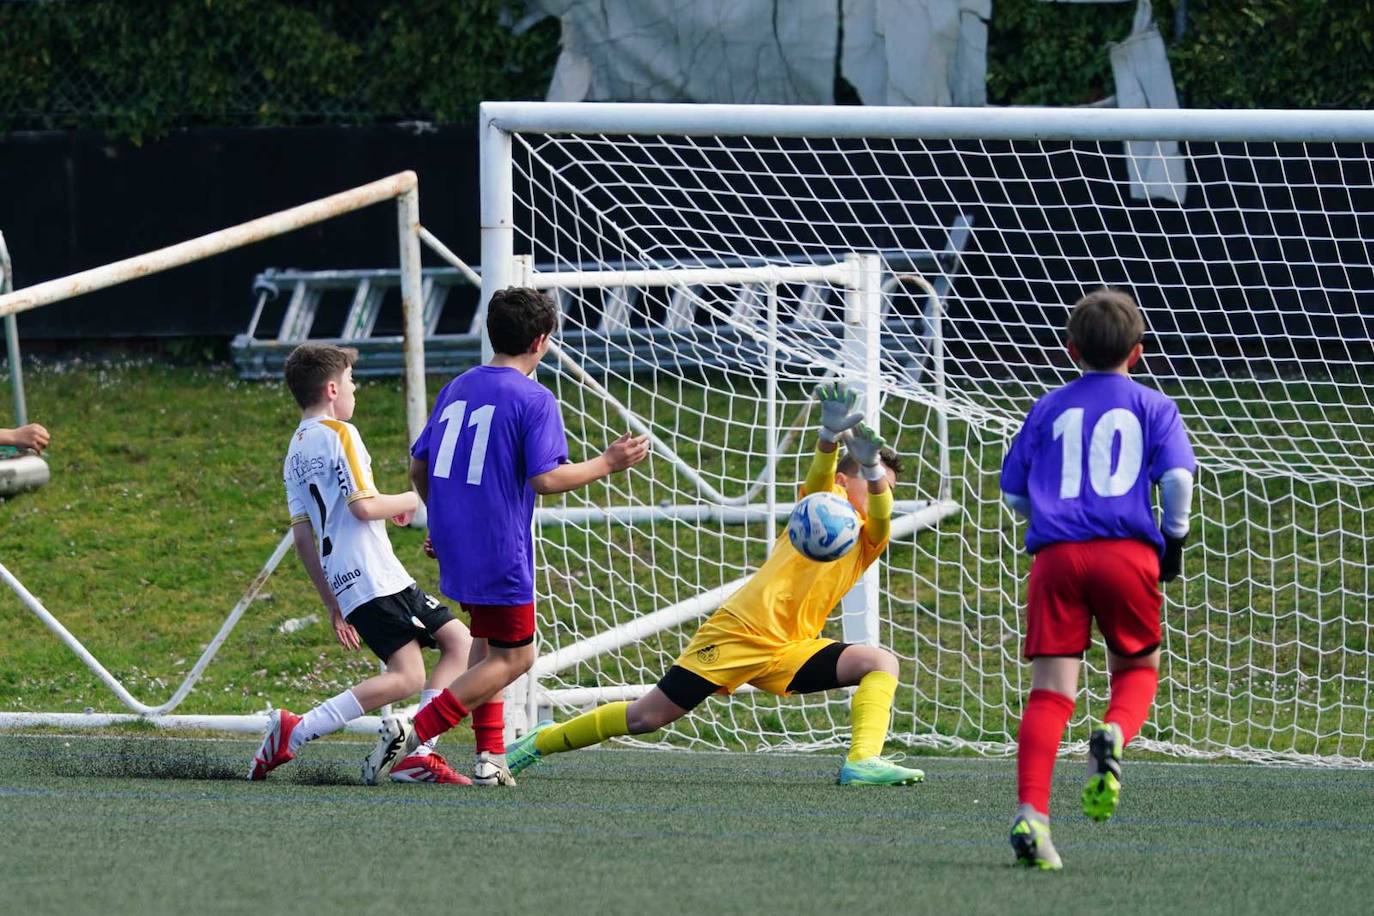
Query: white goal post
column 714, row 262
column 401, row 187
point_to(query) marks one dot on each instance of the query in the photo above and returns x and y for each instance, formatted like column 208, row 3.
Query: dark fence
column 70, row 201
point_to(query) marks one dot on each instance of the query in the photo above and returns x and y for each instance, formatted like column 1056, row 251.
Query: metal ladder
column 263, row 357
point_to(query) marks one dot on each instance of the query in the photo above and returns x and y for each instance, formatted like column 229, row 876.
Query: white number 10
column 1068, row 427
column 453, row 425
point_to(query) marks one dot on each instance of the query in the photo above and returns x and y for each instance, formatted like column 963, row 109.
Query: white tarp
column 748, row 51
column 1140, row 66
column 917, row 52
column 896, row 52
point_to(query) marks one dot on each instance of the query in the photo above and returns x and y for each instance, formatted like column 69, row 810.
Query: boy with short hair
column 1082, row 470
column 494, row 441
column 369, row 595
column 768, row 632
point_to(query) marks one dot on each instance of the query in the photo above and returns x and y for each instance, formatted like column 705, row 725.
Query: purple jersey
column 492, row 429
column 1089, row 454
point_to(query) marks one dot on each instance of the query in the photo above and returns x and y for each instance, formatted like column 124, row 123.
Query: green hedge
column 141, row 67
column 1233, row 53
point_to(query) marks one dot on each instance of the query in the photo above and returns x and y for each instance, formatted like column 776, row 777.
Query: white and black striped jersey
column 327, row 467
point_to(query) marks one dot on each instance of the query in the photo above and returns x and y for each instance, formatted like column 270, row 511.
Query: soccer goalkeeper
column 767, row 633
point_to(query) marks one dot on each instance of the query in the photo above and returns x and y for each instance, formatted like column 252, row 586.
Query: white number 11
column 453, row 425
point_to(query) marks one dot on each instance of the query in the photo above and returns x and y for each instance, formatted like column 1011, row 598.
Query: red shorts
column 503, row 625
column 1072, row 583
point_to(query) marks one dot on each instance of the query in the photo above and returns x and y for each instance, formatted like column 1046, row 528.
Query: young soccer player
column 494, row 441
column 768, row 632
column 369, row 595
column 1082, row 470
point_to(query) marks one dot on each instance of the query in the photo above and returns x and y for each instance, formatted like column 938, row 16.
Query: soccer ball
column 823, row 527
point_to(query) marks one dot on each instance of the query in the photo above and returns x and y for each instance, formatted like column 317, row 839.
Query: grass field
column 147, row 824
column 166, row 499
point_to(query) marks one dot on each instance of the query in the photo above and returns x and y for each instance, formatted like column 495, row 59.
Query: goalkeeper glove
column 837, row 411
column 866, row 446
column 1171, row 563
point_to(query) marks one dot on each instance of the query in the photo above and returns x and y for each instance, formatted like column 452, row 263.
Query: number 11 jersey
column 1089, row 454
column 492, row 429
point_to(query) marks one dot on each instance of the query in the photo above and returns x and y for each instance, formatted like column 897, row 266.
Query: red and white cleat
column 427, row 768
column 275, row 744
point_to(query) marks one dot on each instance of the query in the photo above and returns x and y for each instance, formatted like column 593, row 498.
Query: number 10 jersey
column 1088, row 456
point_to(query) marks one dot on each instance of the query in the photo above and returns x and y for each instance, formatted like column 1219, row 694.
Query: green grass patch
column 157, row 825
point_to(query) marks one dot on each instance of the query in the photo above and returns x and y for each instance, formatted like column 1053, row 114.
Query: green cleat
column 522, row 753
column 1030, row 840
column 877, row 771
column 1103, row 790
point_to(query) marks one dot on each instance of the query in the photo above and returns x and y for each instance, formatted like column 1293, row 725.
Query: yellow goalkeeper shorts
column 726, row 651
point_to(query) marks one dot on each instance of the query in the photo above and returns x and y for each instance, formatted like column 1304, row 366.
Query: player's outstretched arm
column 867, row 446
column 839, row 411
column 33, row 436
column 394, row 506
column 625, row 452
column 837, row 416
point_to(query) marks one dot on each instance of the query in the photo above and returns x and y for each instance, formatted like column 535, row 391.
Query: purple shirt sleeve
column 1173, row 450
column 545, row 443
column 420, row 450
column 1016, row 465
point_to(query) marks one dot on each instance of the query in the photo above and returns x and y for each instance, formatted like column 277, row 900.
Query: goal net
column 714, row 263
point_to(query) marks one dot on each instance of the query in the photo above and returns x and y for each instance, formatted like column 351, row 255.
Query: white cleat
column 395, row 737
column 490, row 770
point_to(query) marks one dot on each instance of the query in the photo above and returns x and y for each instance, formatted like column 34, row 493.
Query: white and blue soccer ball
column 823, row 527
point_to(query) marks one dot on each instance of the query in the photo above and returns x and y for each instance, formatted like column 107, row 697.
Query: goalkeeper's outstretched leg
column 806, row 666
column 649, row 713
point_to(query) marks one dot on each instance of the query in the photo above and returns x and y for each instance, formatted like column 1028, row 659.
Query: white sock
column 330, row 716
column 427, row 747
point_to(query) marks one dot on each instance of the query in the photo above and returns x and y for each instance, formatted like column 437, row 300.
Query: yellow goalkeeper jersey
column 790, row 597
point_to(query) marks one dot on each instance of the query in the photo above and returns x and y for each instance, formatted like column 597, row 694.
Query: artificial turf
column 152, row 824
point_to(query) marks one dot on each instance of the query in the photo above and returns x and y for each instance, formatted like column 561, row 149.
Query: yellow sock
column 585, row 730
column 870, row 710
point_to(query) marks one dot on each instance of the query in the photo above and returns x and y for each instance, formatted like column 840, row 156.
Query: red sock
column 1133, row 691
column 1037, row 743
column 489, row 727
column 439, row 715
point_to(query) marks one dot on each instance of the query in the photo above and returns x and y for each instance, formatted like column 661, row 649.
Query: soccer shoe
column 1030, row 840
column 427, row 768
column 522, row 753
column 394, row 737
column 1103, row 789
column 877, row 771
column 275, row 744
column 490, row 770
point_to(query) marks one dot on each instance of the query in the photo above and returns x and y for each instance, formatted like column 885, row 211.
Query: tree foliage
column 1231, row 54
column 142, row 67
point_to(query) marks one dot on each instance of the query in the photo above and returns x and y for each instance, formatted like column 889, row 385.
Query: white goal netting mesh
column 1258, row 292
